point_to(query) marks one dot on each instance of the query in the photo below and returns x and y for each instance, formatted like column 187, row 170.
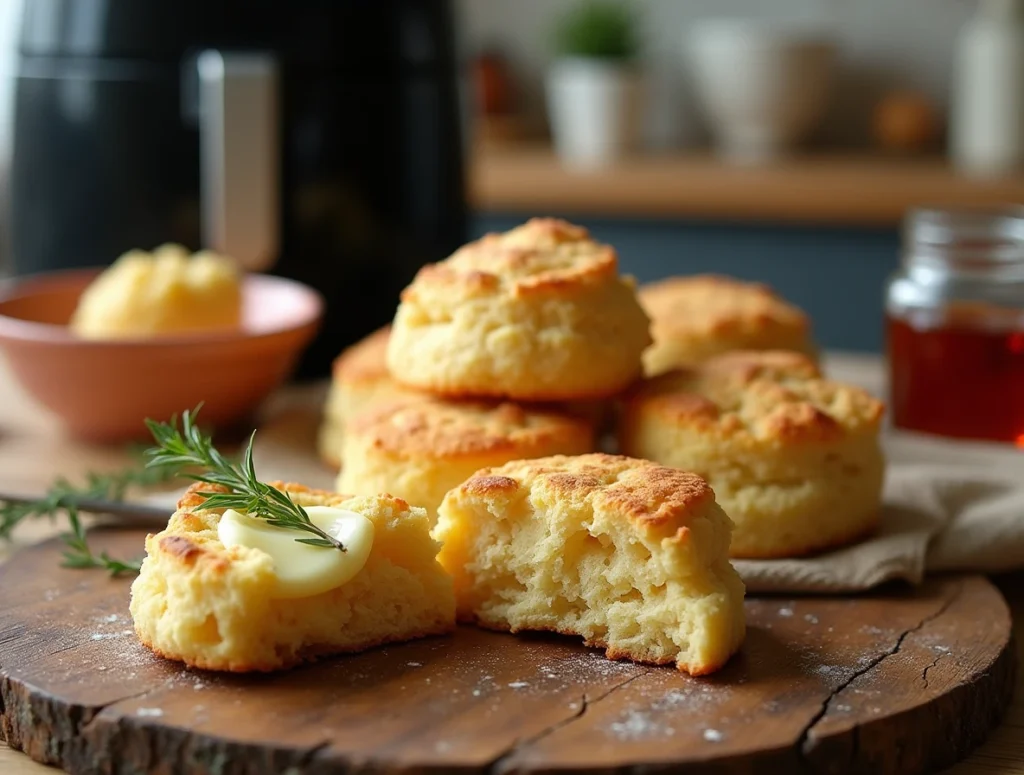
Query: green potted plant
column 593, row 85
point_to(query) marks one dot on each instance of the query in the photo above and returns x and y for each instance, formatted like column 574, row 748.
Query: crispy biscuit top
column 364, row 361
column 436, row 429
column 544, row 255
column 645, row 493
column 770, row 396
column 712, row 305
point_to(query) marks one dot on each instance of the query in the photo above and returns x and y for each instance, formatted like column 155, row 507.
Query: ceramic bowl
column 762, row 86
column 104, row 390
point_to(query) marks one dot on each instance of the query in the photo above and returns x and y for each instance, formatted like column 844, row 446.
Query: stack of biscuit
column 517, row 345
column 482, row 401
column 502, row 352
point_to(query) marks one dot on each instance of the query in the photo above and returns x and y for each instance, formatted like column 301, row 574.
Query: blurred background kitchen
column 345, row 144
column 864, row 109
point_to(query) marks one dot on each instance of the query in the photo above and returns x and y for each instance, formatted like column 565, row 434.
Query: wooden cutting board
column 900, row 681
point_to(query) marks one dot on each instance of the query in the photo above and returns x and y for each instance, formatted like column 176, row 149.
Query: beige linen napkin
column 947, row 506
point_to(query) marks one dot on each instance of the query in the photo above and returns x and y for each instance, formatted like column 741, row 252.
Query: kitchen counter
column 858, row 190
column 32, row 453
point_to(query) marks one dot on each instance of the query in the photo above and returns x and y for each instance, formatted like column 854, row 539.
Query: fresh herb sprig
column 63, row 495
column 79, row 555
column 188, row 448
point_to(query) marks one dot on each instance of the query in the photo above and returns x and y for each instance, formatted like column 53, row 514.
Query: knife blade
column 126, row 512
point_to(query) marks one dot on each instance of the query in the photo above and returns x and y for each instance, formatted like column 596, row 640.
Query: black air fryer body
column 106, row 148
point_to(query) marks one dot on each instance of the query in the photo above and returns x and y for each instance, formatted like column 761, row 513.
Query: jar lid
column 966, row 240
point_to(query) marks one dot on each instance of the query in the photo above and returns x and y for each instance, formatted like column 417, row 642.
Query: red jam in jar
column 955, row 326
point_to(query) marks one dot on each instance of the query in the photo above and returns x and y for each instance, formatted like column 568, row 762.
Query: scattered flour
column 149, row 712
column 785, row 612
column 109, row 635
column 636, row 723
column 414, row 664
column 811, row 618
column 713, row 735
column 518, row 685
column 658, row 718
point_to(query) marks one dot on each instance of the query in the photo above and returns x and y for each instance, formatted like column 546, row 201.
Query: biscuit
column 793, row 459
column 210, row 607
column 359, row 380
column 420, row 450
column 539, row 313
column 628, row 554
column 694, row 318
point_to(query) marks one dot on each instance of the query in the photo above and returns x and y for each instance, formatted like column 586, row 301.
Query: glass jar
column 955, row 325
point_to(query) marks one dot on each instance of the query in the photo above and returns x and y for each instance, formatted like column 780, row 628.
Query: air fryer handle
column 239, row 156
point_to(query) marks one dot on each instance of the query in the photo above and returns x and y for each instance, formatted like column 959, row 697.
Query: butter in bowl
column 152, row 335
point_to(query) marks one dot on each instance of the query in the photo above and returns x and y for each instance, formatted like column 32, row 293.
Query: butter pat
column 166, row 292
column 302, row 570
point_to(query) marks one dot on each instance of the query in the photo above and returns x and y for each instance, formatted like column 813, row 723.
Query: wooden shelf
column 863, row 190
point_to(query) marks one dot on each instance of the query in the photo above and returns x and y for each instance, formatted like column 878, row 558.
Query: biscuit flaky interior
column 210, row 607
column 539, row 313
column 420, row 449
column 630, row 555
column 695, row 318
column 794, row 459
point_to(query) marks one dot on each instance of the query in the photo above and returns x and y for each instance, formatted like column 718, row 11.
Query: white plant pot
column 763, row 87
column 595, row 110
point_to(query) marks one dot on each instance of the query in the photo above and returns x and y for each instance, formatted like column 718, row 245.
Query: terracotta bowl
column 103, row 390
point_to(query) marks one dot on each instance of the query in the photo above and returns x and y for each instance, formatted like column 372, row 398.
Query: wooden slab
column 893, row 682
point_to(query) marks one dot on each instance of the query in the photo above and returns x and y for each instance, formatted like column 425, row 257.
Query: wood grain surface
column 896, row 682
column 865, row 189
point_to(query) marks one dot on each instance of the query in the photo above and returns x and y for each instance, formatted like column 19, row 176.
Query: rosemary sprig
column 188, row 448
column 63, row 495
column 79, row 555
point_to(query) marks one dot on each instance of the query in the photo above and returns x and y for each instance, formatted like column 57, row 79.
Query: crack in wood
column 129, row 698
column 924, row 673
column 502, row 764
column 804, row 741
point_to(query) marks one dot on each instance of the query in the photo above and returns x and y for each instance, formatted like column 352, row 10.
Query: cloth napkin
column 947, row 506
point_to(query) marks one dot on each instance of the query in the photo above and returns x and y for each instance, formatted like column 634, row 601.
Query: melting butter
column 303, row 570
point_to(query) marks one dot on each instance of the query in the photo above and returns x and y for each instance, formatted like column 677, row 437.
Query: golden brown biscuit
column 694, row 318
column 211, row 607
column 628, row 554
column 359, row 380
column 420, row 450
column 539, row 313
column 793, row 459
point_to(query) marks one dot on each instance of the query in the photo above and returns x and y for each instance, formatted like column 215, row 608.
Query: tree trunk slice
column 899, row 681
